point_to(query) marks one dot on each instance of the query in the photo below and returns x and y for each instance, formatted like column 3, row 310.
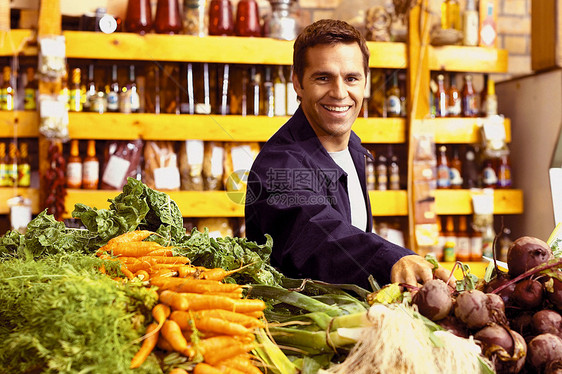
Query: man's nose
column 338, row 89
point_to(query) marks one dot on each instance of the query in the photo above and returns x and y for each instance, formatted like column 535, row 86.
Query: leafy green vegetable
column 61, row 315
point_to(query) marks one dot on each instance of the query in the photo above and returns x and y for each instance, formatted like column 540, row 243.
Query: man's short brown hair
column 326, row 31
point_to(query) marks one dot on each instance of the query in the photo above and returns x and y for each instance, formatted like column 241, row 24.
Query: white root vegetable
column 398, row 342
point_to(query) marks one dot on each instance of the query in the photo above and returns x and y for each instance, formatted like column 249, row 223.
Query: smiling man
column 307, row 187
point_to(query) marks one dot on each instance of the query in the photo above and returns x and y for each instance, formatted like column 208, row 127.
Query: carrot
column 208, row 323
column 172, row 333
column 257, row 314
column 127, row 272
column 102, row 269
column 142, row 275
column 165, row 273
column 174, row 300
column 186, row 271
column 231, row 295
column 219, row 273
column 161, row 252
column 242, row 363
column 160, row 313
column 164, row 344
column 147, row 346
column 203, row 368
column 165, row 259
column 220, row 348
column 134, row 249
column 243, row 319
column 193, row 285
column 177, row 371
column 131, row 236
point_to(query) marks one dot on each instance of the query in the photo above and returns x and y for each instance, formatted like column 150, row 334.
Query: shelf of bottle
column 468, row 59
column 508, row 201
column 22, row 124
column 459, row 130
column 213, row 49
column 225, row 204
column 18, row 42
column 9, row 192
column 211, row 127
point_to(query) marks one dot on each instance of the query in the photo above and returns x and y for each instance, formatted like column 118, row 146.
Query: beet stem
column 535, row 270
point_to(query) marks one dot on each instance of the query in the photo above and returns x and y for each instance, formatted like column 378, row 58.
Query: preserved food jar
column 283, row 24
column 220, row 18
column 247, row 19
column 139, row 17
column 168, row 17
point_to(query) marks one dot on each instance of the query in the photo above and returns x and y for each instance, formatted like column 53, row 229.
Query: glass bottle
column 370, row 174
column 90, row 168
column 469, row 101
column 443, row 177
column 454, row 15
column 7, row 90
column 75, row 92
column 195, row 17
column 280, row 92
column 247, row 19
column 268, row 94
column 489, row 176
column 12, row 164
column 505, row 243
column 441, row 101
column 255, row 79
column 3, row 165
column 138, row 18
column 113, row 92
column 483, row 94
column 129, row 102
column 393, row 107
column 453, row 98
column 476, row 245
column 504, row 172
column 24, row 168
column 491, row 101
column 30, row 90
column 470, row 24
column 283, row 23
column 449, row 251
column 470, row 169
column 168, row 17
column 463, row 240
column 445, row 24
column 438, row 249
column 455, row 170
column 381, row 171
column 488, row 236
column 393, row 170
column 91, row 90
column 292, row 100
column 220, row 18
column 74, row 166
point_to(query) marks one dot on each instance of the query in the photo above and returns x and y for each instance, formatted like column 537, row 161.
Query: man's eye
column 322, row 78
column 352, row 79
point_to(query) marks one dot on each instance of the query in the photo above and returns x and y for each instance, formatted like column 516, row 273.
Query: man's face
column 332, row 89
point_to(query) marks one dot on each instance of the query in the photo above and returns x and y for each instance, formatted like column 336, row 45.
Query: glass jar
column 168, row 18
column 247, row 19
column 139, row 16
column 283, row 24
column 195, row 20
column 220, row 18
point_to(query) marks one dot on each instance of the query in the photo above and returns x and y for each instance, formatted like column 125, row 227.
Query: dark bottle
column 220, row 18
column 247, row 19
column 30, row 90
column 393, row 104
column 393, row 170
column 381, row 172
column 470, row 169
column 469, row 100
column 24, row 168
column 91, row 90
column 463, row 241
column 138, row 18
column 441, row 100
column 168, row 17
column 483, row 95
column 443, row 177
column 455, row 170
column 454, row 98
column 504, row 172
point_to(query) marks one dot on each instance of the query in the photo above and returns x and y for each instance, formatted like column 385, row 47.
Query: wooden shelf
column 225, row 204
column 477, row 268
column 459, row 130
column 213, row 49
column 468, row 59
column 23, row 124
column 460, row 202
column 18, row 42
column 211, row 127
column 9, row 192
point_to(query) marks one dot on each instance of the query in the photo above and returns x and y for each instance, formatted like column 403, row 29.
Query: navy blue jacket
column 298, row 195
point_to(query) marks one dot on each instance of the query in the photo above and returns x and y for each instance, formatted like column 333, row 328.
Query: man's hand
column 415, row 270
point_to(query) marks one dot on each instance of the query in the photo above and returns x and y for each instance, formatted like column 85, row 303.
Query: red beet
column 505, row 348
column 454, row 326
column 525, row 253
column 547, row 321
column 555, row 297
column 471, row 307
column 434, row 300
column 543, row 349
column 506, row 294
column 528, row 293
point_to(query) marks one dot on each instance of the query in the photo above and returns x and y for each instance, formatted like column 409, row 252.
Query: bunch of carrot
column 198, row 315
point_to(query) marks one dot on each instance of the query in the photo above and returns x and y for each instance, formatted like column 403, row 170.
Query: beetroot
column 553, row 367
column 528, row 293
column 525, row 253
column 471, row 307
column 504, row 347
column 434, row 300
column 543, row 349
column 496, row 308
column 507, row 293
column 555, row 297
column 547, row 321
column 454, row 326
column 522, row 323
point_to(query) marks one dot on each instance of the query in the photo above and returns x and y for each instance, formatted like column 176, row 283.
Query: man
column 307, row 186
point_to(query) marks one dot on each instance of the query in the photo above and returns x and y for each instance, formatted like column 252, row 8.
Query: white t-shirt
column 354, row 191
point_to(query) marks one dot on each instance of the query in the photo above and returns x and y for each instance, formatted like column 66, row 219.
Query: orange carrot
column 164, row 344
column 219, row 273
column 165, row 259
column 142, row 275
column 177, row 371
column 194, row 301
column 257, row 314
column 186, row 271
column 165, row 273
column 193, row 285
column 134, row 249
column 243, row 319
column 127, row 272
column 173, row 299
column 131, row 236
column 161, row 252
column 172, row 333
column 207, row 323
column 242, row 363
column 231, row 295
column 220, row 348
column 160, row 313
column 203, row 368
column 147, row 346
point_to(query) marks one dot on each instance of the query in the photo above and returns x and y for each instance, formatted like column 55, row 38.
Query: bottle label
column 135, row 101
column 280, row 99
column 455, row 109
column 470, row 32
column 125, row 102
column 75, row 100
column 29, row 99
column 90, row 172
column 3, row 175
column 489, row 177
column 449, row 253
column 463, row 248
column 504, row 177
column 393, row 106
column 455, row 177
column 470, row 109
column 74, row 174
column 443, row 180
column 24, row 175
column 476, row 248
column 382, row 178
column 115, row 171
column 112, row 101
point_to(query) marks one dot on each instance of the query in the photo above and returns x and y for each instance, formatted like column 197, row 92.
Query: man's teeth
column 337, row 108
